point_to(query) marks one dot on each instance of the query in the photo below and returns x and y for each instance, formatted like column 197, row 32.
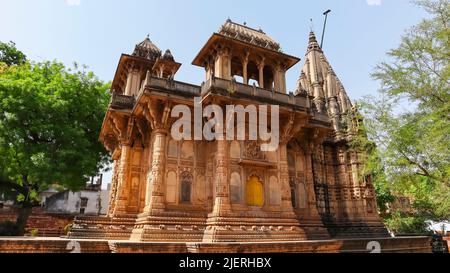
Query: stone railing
column 119, row 101
column 214, row 85
column 323, row 117
column 256, row 93
column 170, row 85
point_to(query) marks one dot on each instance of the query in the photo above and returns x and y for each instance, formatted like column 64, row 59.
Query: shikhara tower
column 226, row 191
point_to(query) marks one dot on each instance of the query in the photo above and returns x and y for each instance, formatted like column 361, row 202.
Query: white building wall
column 70, row 202
column 93, row 204
column 74, row 202
column 104, row 196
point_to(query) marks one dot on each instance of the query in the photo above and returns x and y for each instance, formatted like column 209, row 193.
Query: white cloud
column 373, row 2
column 73, row 2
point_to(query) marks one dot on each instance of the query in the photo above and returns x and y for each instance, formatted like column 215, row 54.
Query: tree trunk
column 22, row 218
column 26, row 208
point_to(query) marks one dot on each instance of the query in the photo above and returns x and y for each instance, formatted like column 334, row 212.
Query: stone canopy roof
column 146, row 49
column 248, row 35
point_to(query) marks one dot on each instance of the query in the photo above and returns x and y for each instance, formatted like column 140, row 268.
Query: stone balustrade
column 119, row 101
column 251, row 91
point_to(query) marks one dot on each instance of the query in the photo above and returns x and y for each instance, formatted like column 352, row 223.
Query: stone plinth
column 64, row 245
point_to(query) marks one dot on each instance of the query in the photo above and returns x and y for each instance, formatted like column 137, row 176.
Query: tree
column 10, row 55
column 409, row 120
column 50, row 120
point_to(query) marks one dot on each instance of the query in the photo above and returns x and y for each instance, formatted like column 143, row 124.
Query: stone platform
column 64, row 245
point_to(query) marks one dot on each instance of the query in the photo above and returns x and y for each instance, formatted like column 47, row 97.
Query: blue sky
column 96, row 32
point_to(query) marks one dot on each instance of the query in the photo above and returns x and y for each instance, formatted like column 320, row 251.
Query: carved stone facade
column 223, row 190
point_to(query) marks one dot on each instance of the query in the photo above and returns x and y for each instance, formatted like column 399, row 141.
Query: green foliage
column 10, row 55
column 34, row 232
column 50, row 120
column 409, row 122
column 400, row 223
column 8, row 228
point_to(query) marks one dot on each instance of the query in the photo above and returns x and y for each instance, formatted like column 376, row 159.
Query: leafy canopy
column 50, row 120
column 10, row 55
column 409, row 120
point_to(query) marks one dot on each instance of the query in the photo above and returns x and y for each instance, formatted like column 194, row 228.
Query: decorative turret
column 146, row 49
column 168, row 56
column 319, row 81
column 239, row 51
column 132, row 69
column 166, row 67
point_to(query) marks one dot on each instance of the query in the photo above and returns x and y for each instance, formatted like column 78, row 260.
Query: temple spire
column 312, row 42
column 318, row 79
column 312, row 37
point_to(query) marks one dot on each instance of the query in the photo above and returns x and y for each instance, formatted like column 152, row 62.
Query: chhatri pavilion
column 168, row 190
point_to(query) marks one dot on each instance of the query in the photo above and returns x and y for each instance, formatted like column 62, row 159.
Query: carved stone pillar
column 312, row 201
column 133, row 83
column 123, row 183
column 283, row 81
column 128, row 85
column 358, row 191
column 277, row 78
column 209, row 68
column 244, row 71
column 221, row 183
column 244, row 67
column 113, row 192
column 284, row 179
column 222, row 64
column 154, row 198
column 261, row 74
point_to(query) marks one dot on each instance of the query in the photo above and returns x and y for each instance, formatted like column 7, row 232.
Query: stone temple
column 164, row 190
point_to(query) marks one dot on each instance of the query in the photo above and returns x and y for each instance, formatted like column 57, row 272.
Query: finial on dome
column 311, row 26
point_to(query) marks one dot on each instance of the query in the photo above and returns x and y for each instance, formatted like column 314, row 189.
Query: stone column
column 161, row 71
column 113, row 192
column 244, row 71
column 309, row 183
column 129, row 83
column 123, row 183
column 261, row 74
column 221, row 183
column 133, row 83
column 154, row 198
column 283, row 81
column 279, row 79
column 222, row 64
column 358, row 191
column 286, row 202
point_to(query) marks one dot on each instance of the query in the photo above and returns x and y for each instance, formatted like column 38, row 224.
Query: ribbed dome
column 146, row 49
column 248, row 35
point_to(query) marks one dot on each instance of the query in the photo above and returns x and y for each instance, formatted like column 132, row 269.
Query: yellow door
column 255, row 192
